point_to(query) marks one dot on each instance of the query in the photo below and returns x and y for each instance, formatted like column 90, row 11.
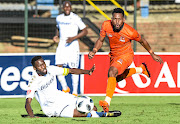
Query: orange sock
column 111, row 85
column 131, row 72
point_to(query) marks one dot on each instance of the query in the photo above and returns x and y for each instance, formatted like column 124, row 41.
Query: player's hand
column 92, row 69
column 56, row 39
column 156, row 58
column 91, row 54
column 69, row 40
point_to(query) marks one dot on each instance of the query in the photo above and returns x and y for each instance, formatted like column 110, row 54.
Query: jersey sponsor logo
column 122, row 39
column 65, row 23
column 47, row 84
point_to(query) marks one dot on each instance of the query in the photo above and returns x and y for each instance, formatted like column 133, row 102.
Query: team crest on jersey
column 109, row 35
column 122, row 39
column 120, row 61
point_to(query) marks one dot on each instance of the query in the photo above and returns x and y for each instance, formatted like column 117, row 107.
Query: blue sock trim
column 101, row 114
column 88, row 115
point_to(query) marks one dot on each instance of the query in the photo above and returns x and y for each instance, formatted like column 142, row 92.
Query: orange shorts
column 122, row 62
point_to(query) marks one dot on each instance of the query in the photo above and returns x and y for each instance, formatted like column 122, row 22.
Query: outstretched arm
column 97, row 46
column 146, row 45
column 81, row 34
column 81, row 71
column 28, row 107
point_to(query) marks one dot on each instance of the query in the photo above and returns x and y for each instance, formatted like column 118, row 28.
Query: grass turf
column 135, row 110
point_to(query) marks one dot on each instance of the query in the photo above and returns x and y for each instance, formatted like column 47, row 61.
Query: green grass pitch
column 135, row 110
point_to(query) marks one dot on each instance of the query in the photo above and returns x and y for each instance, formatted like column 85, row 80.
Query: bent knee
column 113, row 71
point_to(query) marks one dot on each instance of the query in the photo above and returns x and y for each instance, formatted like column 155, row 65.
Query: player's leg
column 73, row 62
column 95, row 114
column 69, row 109
column 118, row 66
column 136, row 70
column 111, row 85
column 75, row 80
column 59, row 61
column 62, row 80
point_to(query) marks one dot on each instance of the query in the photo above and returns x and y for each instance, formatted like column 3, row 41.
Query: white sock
column 75, row 80
column 138, row 69
column 94, row 114
column 108, row 100
column 62, row 80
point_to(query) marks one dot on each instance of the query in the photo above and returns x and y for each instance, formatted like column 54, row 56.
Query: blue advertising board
column 16, row 70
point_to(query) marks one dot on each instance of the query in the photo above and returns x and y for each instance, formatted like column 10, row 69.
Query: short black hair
column 118, row 10
column 34, row 59
column 67, row 1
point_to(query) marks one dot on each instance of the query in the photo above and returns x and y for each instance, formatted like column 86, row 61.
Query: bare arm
column 56, row 37
column 146, row 45
column 28, row 107
column 81, row 71
column 81, row 34
column 97, row 46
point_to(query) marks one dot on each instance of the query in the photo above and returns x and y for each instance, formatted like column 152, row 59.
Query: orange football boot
column 145, row 70
column 104, row 105
column 74, row 94
column 67, row 90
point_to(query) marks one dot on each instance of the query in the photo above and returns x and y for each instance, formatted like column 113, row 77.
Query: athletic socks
column 135, row 70
column 139, row 69
column 62, row 80
column 129, row 72
column 75, row 80
column 111, row 85
column 108, row 100
column 95, row 114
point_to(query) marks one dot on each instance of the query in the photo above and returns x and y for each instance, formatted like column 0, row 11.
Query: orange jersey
column 120, row 42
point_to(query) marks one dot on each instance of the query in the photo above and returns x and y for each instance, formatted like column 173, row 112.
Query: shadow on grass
column 43, row 115
column 174, row 103
column 37, row 115
column 78, row 120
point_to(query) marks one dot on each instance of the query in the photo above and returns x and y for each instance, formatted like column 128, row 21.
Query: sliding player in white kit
column 67, row 52
column 55, row 103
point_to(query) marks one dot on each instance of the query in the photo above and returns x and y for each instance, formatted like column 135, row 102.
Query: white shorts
column 65, row 105
column 68, row 111
column 68, row 55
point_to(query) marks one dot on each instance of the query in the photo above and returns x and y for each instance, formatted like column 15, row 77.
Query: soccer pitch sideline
column 135, row 110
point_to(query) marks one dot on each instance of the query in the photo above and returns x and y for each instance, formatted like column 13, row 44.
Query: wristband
column 150, row 51
column 95, row 50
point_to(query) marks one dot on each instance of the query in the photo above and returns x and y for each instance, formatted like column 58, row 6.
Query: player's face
column 67, row 8
column 40, row 67
column 117, row 21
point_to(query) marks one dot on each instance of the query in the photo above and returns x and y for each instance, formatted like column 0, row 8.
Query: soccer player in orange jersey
column 121, row 54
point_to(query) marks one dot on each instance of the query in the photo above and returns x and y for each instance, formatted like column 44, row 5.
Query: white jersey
column 68, row 53
column 44, row 88
column 69, row 25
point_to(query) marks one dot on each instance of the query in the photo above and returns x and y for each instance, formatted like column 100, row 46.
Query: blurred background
column 29, row 25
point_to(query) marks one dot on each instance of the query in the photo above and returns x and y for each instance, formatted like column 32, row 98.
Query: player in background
column 121, row 54
column 67, row 52
column 55, row 103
